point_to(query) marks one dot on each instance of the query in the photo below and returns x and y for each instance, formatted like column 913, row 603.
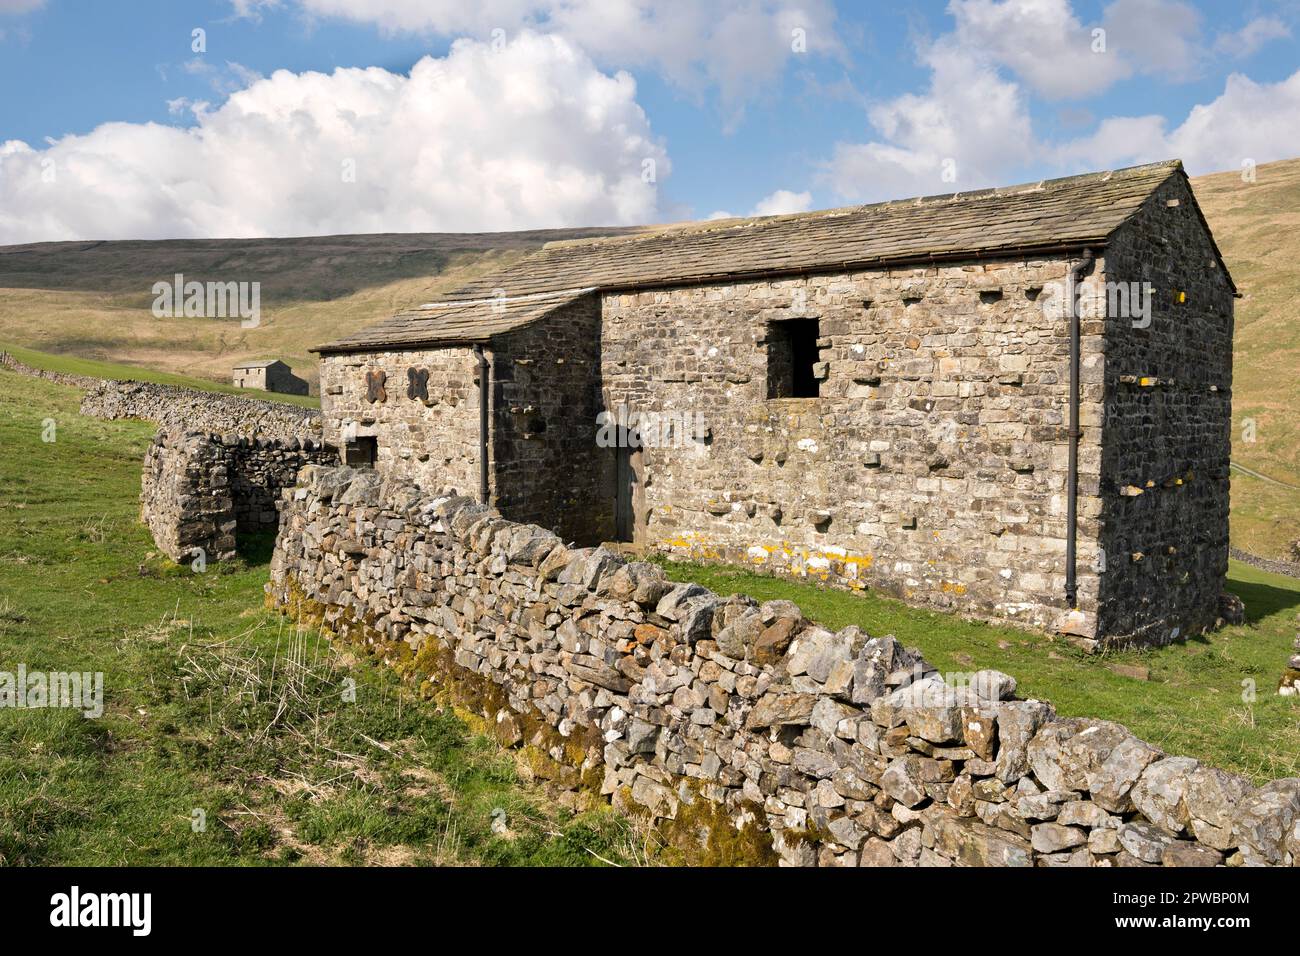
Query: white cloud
column 20, row 6
column 964, row 132
column 1161, row 37
column 779, row 203
column 736, row 45
column 532, row 135
column 782, row 202
column 1042, row 41
column 973, row 123
column 1249, row 120
column 1251, row 37
column 1060, row 57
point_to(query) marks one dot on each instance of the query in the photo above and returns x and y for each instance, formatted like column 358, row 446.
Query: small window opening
column 361, row 452
column 791, row 359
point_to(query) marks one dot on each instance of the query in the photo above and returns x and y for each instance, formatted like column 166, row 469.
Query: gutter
column 1075, row 433
column 483, row 396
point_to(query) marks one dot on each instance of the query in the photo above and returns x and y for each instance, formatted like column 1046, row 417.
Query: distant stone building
column 1013, row 403
column 271, row 376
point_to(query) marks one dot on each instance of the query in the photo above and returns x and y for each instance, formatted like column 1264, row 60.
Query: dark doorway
column 629, row 495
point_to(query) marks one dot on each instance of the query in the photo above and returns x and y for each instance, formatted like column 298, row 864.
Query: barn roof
column 1050, row 216
column 457, row 321
column 263, row 363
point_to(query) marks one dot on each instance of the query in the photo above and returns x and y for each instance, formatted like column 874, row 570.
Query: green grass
column 71, row 365
column 213, row 704
column 1192, row 704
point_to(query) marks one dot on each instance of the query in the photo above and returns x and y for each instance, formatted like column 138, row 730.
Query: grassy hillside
column 92, row 300
column 1257, row 226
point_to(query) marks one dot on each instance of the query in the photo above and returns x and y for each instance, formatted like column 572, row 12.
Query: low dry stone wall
column 176, row 406
column 200, row 490
column 7, row 361
column 751, row 734
column 213, row 412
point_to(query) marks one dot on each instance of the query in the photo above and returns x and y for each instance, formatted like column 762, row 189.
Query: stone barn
column 1011, row 403
column 270, row 376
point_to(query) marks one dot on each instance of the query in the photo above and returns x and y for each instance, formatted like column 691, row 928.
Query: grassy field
column 72, row 365
column 227, row 737
column 1192, row 704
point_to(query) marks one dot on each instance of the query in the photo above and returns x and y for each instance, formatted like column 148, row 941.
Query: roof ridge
column 704, row 226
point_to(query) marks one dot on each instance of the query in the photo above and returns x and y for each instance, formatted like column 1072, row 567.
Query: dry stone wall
column 189, row 408
column 753, row 734
column 199, row 490
column 7, row 361
column 217, row 464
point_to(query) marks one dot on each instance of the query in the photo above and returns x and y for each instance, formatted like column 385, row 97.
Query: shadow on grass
column 1263, row 600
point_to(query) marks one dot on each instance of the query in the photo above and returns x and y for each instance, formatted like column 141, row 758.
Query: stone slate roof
column 458, row 321
column 264, row 363
column 1048, row 217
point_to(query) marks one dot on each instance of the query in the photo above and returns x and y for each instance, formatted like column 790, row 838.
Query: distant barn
column 270, row 375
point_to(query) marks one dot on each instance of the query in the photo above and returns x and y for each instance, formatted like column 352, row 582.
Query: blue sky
column 531, row 113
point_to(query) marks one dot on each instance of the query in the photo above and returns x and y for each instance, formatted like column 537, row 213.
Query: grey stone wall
column 199, row 490
column 188, row 408
column 547, row 467
column 434, row 441
column 7, row 361
column 737, row 722
column 932, row 464
column 1168, row 428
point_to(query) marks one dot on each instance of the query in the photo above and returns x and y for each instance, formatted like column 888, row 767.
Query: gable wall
column 933, row 464
column 1168, row 430
column 435, row 444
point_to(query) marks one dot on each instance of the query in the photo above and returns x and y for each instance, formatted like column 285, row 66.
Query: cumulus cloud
column 971, row 127
column 1058, row 56
column 1042, row 41
column 1157, row 36
column 965, row 131
column 736, row 46
column 530, row 135
column 1248, row 121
